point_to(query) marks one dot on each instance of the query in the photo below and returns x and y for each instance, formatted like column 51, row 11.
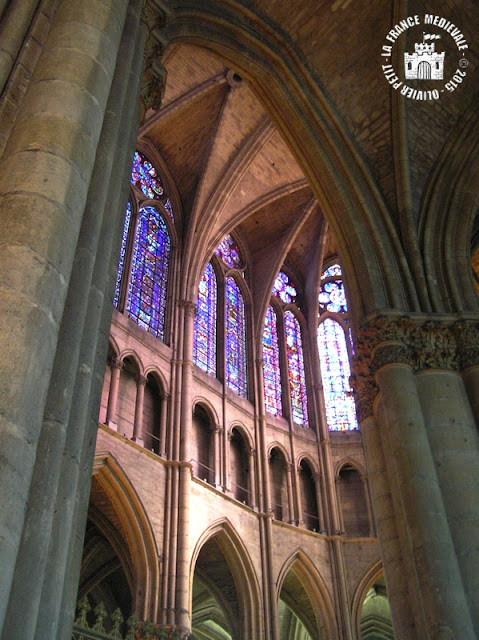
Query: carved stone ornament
column 430, row 344
column 154, row 17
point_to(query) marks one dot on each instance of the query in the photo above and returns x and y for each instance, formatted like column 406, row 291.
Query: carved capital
column 116, row 363
column 467, row 338
column 141, row 381
column 189, row 307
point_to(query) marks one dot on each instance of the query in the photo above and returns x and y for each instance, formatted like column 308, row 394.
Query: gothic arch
column 326, row 154
column 313, row 584
column 369, row 578
column 450, row 205
column 141, row 543
column 241, row 567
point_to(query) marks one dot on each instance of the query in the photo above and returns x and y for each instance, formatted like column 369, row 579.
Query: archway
column 225, row 603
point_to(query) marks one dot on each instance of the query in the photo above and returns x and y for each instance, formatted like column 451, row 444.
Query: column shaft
column 111, row 411
column 139, row 405
column 454, row 442
column 438, row 585
column 394, row 570
column 64, row 103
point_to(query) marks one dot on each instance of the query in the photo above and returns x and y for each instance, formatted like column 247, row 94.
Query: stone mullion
column 389, row 542
column 439, row 587
column 56, row 110
column 75, row 479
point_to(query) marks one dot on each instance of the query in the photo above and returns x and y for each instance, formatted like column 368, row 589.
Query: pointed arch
column 241, row 567
column 235, row 341
column 205, row 338
column 343, row 185
column 320, row 616
column 296, row 370
column 143, row 552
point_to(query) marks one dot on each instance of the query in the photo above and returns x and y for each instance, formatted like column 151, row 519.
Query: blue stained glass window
column 235, row 339
column 271, row 365
column 332, row 296
column 297, row 383
column 332, row 272
column 228, row 251
column 121, row 264
column 145, row 177
column 149, row 272
column 284, row 288
column 335, row 372
column 204, row 346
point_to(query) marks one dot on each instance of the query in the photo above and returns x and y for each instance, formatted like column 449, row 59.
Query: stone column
column 454, row 442
column 319, row 502
column 163, row 422
column 217, row 431
column 139, row 406
column 289, row 485
column 116, row 366
column 395, row 572
column 438, row 586
column 56, row 136
column 182, row 598
column 364, row 482
column 252, row 477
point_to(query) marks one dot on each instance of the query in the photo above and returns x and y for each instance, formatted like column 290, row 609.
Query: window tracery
column 271, row 365
column 144, row 262
column 220, row 322
column 204, row 346
column 289, row 340
column 333, row 346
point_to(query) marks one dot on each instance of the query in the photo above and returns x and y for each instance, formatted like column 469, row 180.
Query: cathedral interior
column 239, row 322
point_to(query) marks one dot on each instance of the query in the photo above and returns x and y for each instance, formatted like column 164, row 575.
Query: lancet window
column 284, row 377
column 145, row 254
column 220, row 322
column 334, row 348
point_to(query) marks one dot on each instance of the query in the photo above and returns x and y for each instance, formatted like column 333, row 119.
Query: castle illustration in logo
column 425, row 63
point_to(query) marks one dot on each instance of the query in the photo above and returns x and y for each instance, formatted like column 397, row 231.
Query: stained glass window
column 331, row 272
column 335, row 372
column 271, row 365
column 297, row 384
column 145, row 177
column 121, row 263
column 235, row 339
column 332, row 296
column 204, row 346
column 284, row 288
column 149, row 272
column 228, row 251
